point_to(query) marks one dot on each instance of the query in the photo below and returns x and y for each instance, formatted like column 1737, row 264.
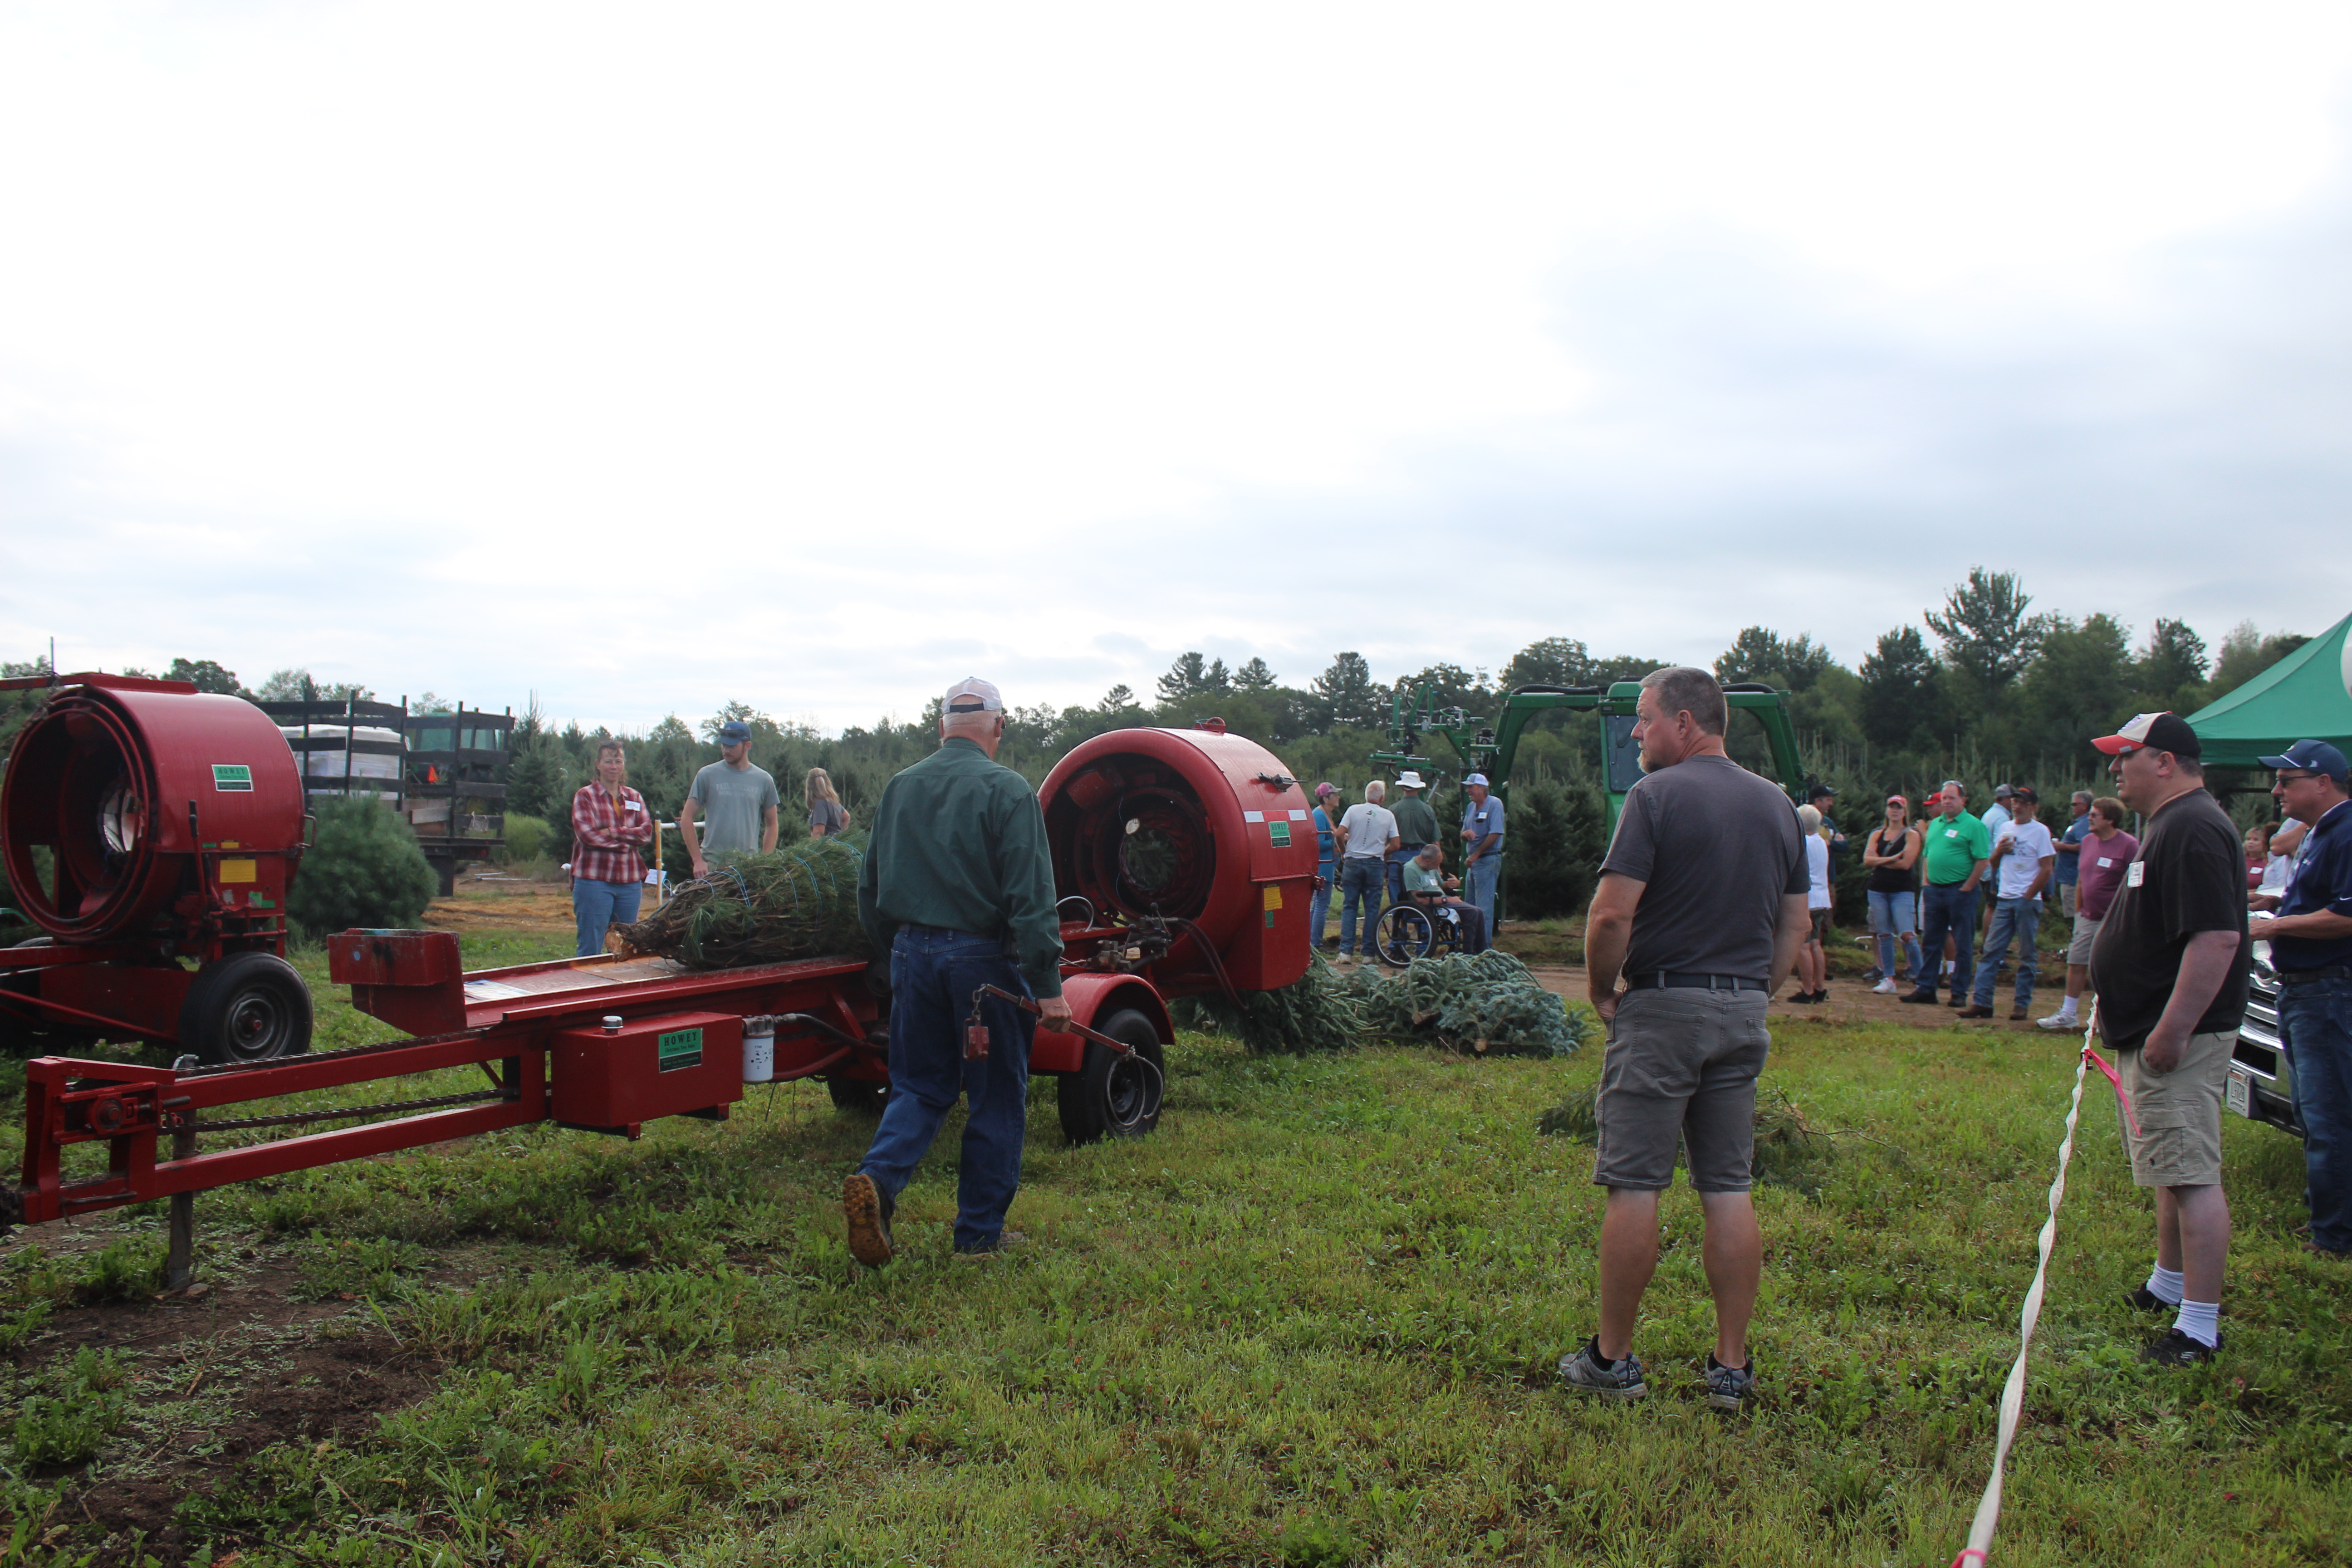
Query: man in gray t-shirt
column 1701, row 908
column 737, row 799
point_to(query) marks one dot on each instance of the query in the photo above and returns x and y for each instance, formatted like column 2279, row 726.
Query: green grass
column 1313, row 1320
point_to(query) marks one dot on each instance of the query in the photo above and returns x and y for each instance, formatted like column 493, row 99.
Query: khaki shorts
column 2180, row 1112
column 1681, row 1068
column 2067, row 893
column 2086, row 931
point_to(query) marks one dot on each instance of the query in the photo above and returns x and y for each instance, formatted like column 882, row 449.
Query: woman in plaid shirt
column 609, row 820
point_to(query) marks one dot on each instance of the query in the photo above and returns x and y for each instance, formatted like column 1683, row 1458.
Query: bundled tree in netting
column 799, row 901
column 363, row 869
column 1485, row 1003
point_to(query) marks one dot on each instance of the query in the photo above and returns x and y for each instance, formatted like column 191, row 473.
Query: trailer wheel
column 248, row 1007
column 858, row 1094
column 1112, row 1096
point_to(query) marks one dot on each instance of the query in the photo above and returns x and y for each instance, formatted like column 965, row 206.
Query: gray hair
column 2085, row 794
column 1376, row 791
column 1679, row 688
column 1429, row 850
column 1954, row 787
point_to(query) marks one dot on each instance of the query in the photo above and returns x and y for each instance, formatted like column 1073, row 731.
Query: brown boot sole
column 869, row 1233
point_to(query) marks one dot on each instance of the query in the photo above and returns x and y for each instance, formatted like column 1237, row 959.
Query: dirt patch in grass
column 239, row 1362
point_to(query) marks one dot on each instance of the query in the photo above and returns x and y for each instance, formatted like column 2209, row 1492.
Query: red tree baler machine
column 173, row 823
column 1185, row 860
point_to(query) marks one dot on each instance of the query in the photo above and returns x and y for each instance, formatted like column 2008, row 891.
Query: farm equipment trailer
column 1184, row 859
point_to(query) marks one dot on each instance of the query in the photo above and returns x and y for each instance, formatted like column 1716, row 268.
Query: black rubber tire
column 1405, row 933
column 1110, row 1096
column 248, row 1007
column 857, row 1094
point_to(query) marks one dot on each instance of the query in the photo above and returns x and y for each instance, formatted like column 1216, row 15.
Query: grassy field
column 1312, row 1321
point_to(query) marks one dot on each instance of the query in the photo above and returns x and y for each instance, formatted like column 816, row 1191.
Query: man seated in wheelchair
column 1427, row 885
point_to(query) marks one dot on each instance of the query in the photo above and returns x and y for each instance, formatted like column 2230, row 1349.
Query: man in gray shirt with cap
column 738, row 799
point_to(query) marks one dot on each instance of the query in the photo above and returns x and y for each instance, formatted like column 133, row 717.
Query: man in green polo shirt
column 1957, row 848
column 958, row 888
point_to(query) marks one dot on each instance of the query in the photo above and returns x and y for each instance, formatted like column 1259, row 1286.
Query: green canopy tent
column 2302, row 695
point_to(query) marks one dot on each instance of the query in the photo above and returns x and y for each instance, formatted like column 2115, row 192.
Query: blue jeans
column 1479, row 887
column 2011, row 917
column 2315, row 1023
column 595, row 905
column 933, row 974
column 1318, row 908
column 1895, row 916
column 1946, row 911
column 1360, row 882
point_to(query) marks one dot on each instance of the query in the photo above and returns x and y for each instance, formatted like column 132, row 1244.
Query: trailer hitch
column 975, row 1039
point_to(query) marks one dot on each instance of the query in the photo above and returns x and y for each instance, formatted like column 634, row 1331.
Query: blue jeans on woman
column 934, row 973
column 1362, row 879
column 1895, row 916
column 596, row 905
column 2316, row 1024
column 1318, row 908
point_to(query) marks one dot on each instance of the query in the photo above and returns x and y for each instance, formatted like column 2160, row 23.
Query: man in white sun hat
column 1416, row 826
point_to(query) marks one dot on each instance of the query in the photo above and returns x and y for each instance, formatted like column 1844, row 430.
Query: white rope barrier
column 1979, row 1550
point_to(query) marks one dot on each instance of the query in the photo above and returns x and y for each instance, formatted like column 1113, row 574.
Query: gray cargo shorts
column 1681, row 1067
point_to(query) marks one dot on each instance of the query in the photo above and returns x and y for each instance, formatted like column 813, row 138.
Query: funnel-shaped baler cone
column 129, row 787
column 1191, row 825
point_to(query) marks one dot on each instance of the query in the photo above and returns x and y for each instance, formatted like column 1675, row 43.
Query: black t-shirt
column 1892, row 878
column 2189, row 876
column 1716, row 848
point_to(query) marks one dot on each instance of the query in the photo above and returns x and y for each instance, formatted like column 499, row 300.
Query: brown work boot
column 2017, row 1014
column 868, row 1213
column 1973, row 1011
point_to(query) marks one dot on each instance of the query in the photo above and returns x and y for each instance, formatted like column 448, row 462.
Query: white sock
column 2166, row 1285
column 2202, row 1321
column 2066, row 1008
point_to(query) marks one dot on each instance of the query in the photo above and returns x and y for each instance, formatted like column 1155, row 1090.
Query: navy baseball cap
column 2312, row 756
column 733, row 731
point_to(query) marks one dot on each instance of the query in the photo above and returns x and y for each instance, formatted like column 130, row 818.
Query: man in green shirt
column 1952, row 862
column 958, row 887
column 1416, row 826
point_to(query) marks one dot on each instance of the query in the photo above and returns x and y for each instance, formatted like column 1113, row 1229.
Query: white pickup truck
column 2262, row 1083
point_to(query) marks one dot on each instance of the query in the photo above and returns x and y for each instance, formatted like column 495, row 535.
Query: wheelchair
column 1410, row 930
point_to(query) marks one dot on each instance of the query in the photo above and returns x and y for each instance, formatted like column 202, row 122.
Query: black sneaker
column 2177, row 1348
column 1583, row 1371
column 1927, row 996
column 2148, row 1300
column 1730, row 1387
column 868, row 1213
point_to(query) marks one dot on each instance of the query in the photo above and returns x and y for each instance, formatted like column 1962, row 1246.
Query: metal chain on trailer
column 297, row 1117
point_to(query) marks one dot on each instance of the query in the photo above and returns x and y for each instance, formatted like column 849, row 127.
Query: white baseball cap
column 973, row 695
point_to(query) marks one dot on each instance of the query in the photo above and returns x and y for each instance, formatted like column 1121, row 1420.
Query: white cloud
column 814, row 356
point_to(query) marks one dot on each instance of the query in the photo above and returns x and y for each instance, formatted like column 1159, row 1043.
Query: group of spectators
column 1709, row 897
column 1373, row 849
column 613, row 830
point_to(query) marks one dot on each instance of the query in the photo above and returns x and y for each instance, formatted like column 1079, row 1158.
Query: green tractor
column 1491, row 746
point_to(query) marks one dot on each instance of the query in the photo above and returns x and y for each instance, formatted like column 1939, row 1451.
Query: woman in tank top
column 1892, row 853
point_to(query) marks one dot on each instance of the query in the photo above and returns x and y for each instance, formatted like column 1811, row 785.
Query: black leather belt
column 2300, row 977
column 1676, row 980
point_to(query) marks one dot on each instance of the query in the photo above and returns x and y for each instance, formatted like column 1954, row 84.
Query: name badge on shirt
column 1952, row 833
column 633, row 805
column 2137, row 875
column 2105, row 861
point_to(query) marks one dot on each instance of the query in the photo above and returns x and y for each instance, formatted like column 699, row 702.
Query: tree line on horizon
column 1980, row 688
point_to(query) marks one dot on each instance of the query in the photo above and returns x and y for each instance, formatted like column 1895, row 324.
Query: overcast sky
column 816, row 356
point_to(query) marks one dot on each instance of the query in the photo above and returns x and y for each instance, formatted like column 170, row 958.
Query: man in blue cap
column 2311, row 949
column 738, row 799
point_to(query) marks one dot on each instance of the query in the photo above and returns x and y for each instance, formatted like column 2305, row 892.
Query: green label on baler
column 680, row 1048
column 233, row 776
column 1280, row 833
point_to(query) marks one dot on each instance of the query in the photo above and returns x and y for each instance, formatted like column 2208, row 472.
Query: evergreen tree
column 205, row 676
column 2246, row 653
column 2174, row 659
column 1758, row 654
column 1185, row 676
column 1254, row 677
column 1987, row 635
column 1902, row 699
column 1347, row 693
